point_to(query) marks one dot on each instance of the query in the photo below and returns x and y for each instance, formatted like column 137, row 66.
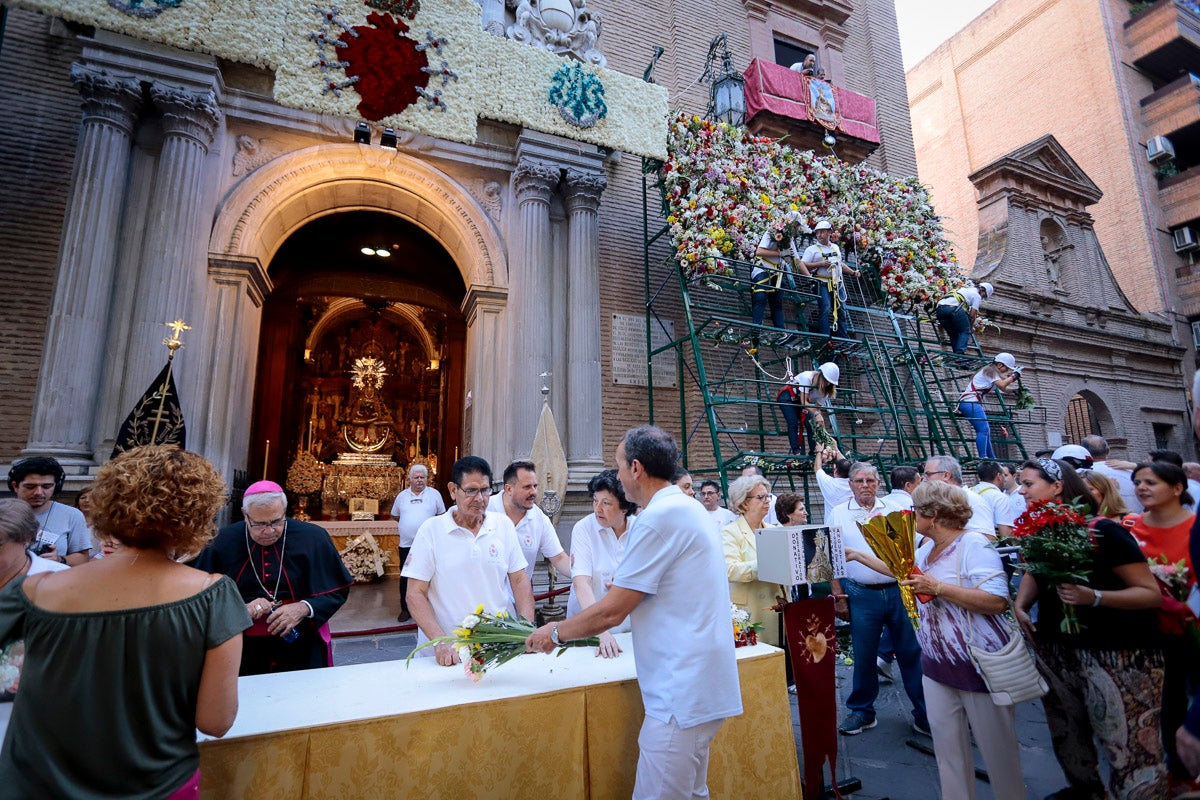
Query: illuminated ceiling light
column 383, row 253
column 367, row 251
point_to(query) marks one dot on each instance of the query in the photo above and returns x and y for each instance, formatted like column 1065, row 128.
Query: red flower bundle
column 1056, row 545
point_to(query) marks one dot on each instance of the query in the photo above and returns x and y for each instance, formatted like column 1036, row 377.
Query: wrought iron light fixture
column 727, row 87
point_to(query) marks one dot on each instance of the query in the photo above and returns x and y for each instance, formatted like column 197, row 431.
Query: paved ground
column 881, row 757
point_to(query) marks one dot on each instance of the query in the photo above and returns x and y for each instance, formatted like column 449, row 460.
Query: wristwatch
column 554, row 635
column 1096, row 599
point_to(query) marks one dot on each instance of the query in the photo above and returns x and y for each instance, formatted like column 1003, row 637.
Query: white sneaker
column 884, row 669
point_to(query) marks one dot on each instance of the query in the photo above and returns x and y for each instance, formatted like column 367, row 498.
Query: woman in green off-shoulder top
column 126, row 656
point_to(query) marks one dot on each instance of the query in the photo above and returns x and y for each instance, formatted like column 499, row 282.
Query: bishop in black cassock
column 291, row 578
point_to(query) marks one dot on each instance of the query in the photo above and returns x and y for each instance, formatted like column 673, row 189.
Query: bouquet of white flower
column 488, row 640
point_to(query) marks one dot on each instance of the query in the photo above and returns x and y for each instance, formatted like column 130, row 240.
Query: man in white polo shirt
column 875, row 606
column 413, row 506
column 672, row 584
column 535, row 531
column 462, row 559
column 947, row 470
column 991, row 489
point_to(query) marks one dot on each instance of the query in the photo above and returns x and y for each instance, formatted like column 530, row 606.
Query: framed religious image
column 362, row 508
column 800, row 555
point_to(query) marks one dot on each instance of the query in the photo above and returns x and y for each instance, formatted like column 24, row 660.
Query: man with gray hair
column 874, row 605
column 673, row 586
column 412, row 507
column 1097, row 447
column 290, row 576
column 947, row 470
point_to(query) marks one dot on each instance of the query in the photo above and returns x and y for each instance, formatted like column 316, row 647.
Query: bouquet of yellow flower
column 485, row 641
column 893, row 538
column 745, row 632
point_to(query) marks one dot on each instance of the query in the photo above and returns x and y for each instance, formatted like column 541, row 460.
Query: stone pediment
column 1036, row 238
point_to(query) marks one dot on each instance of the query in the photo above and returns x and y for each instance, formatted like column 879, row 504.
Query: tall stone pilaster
column 534, row 183
column 72, row 361
column 488, row 406
column 174, row 272
column 584, row 435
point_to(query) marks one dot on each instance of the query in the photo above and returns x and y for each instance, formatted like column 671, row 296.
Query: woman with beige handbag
column 967, row 593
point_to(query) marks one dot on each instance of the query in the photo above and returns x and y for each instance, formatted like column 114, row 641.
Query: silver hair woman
column 750, row 497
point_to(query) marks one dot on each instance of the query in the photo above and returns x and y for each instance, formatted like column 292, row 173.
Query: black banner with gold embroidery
column 157, row 418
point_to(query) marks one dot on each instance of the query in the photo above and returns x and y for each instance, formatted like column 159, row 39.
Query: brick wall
column 39, row 127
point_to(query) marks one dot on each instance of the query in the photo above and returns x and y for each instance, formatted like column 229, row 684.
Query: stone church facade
column 146, row 183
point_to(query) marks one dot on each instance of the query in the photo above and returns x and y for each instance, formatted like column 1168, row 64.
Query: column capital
column 584, row 190
column 243, row 270
column 534, row 180
column 489, row 299
column 115, row 99
column 187, row 112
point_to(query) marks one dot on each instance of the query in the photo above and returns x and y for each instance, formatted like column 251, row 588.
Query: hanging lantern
column 727, row 87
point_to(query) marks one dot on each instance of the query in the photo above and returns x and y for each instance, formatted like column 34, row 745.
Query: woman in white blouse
column 597, row 547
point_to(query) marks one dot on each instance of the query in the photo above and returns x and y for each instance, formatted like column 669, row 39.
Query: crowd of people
column 171, row 591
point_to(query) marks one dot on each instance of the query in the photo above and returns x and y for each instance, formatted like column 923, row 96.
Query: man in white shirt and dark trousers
column 412, row 507
column 991, row 489
column 957, row 312
column 874, row 605
column 823, row 261
column 672, row 583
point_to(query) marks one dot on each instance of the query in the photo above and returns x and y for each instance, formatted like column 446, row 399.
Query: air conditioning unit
column 1159, row 149
column 1185, row 239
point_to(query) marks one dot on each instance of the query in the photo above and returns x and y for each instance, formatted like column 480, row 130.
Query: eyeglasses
column 1051, row 468
column 762, row 498
column 708, row 492
column 484, row 491
column 936, row 472
column 254, row 525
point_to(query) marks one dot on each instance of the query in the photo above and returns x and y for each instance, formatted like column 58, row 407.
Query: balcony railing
column 1180, row 198
column 781, row 101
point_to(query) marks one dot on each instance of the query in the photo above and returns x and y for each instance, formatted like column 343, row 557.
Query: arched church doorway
column 361, row 352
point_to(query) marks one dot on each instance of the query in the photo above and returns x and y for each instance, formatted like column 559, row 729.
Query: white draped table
column 540, row 726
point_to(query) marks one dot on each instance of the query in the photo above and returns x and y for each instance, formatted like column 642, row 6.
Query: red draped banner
column 812, row 644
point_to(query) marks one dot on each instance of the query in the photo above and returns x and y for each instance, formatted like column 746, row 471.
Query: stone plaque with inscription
column 629, row 351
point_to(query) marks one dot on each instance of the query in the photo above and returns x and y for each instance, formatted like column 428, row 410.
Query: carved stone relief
column 564, row 27
column 251, row 153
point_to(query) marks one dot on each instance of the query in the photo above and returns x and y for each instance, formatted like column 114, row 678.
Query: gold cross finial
column 173, row 342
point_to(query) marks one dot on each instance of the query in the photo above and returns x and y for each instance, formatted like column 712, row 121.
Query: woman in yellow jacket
column 750, row 497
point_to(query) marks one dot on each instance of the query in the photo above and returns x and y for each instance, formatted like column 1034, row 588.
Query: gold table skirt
column 576, row 742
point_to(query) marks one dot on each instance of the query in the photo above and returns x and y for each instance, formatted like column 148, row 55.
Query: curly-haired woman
column 161, row 639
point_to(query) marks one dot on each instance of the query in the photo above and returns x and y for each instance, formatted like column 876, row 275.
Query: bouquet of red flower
column 1055, row 545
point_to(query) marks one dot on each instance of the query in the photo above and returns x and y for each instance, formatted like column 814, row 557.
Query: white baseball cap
column 1006, row 359
column 987, row 289
column 1075, row 455
column 830, row 370
column 823, row 225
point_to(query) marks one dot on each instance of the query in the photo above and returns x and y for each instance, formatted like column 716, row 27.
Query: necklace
column 254, row 570
column 24, row 563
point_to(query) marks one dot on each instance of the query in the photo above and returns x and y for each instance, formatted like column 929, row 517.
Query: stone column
column 239, row 284
column 72, row 361
column 173, row 270
column 584, row 439
column 487, row 412
column 529, row 280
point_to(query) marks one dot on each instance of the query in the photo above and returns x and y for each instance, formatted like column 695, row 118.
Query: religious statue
column 367, row 425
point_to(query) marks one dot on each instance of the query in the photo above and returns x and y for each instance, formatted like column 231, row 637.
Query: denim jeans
column 794, row 415
column 957, row 324
column 871, row 612
column 758, row 307
column 983, row 431
column 825, row 313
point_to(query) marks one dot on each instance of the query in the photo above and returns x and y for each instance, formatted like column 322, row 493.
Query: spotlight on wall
column 388, row 139
column 829, row 141
column 362, row 133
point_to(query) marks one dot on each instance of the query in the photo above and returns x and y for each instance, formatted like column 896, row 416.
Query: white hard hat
column 987, row 289
column 823, row 225
column 831, row 371
column 1006, row 359
column 1075, row 455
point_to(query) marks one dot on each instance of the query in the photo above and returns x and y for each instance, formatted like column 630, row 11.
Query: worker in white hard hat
column 999, row 375
column 957, row 312
column 802, row 399
column 823, row 261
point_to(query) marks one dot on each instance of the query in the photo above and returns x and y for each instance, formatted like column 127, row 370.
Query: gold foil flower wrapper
column 893, row 539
